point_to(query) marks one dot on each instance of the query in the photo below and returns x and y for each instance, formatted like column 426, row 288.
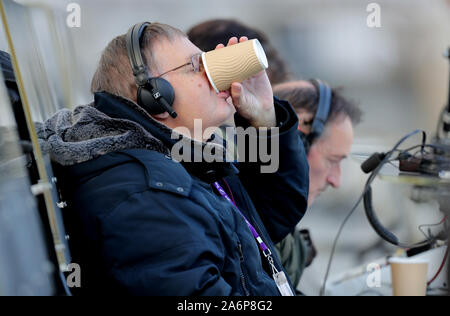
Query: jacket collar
column 118, row 107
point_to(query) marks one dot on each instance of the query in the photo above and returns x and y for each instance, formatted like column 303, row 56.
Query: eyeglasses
column 194, row 62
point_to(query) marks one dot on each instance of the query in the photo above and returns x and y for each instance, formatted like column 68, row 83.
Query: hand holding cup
column 226, row 69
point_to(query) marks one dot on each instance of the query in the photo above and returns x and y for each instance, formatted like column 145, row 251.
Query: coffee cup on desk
column 409, row 276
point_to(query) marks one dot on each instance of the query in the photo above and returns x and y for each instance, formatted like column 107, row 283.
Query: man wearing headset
column 150, row 225
column 326, row 122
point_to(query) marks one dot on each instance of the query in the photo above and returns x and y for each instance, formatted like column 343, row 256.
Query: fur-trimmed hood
column 107, row 125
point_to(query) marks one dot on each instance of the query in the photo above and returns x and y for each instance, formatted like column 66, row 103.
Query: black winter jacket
column 149, row 225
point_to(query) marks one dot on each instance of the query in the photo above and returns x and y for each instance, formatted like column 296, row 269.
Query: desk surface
column 356, row 282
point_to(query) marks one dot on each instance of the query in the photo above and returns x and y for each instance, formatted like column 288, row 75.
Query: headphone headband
column 133, row 39
column 321, row 115
column 323, row 109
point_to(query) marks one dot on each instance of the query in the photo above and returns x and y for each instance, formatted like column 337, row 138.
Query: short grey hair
column 114, row 73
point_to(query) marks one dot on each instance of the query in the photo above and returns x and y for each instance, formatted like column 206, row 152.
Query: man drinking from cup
column 150, row 225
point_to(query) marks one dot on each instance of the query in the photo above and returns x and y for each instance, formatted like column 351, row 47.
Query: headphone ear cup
column 147, row 102
column 164, row 88
column 151, row 104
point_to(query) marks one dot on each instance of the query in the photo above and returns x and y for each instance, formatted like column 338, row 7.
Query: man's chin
column 313, row 196
column 227, row 103
column 226, row 109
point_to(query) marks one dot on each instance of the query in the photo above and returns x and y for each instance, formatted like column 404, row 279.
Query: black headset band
column 133, row 39
column 323, row 108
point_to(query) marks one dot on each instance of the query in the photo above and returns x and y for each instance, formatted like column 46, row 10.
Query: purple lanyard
column 265, row 250
column 278, row 276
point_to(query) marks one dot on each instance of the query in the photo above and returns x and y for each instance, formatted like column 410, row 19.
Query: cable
column 366, row 188
column 434, row 146
column 371, row 215
column 440, row 268
column 431, row 225
column 322, row 290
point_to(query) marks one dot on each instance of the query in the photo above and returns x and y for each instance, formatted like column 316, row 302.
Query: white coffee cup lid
column 259, row 50
column 407, row 260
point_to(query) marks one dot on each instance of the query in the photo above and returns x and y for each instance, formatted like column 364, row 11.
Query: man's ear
column 305, row 121
column 161, row 117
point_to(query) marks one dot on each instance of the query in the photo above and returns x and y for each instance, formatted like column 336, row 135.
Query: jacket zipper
column 243, row 281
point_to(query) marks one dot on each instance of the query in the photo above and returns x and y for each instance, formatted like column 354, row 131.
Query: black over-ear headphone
column 155, row 95
column 321, row 116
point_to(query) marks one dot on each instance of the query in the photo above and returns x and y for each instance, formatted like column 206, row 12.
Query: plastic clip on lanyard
column 278, row 276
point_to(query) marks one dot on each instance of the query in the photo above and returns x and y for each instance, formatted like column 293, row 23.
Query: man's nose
column 334, row 177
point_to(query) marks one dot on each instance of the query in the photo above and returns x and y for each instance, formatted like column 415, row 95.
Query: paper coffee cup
column 234, row 63
column 409, row 276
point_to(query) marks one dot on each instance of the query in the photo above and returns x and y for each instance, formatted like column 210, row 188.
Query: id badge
column 282, row 284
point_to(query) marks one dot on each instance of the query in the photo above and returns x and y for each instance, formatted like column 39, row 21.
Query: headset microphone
column 372, row 162
column 168, row 108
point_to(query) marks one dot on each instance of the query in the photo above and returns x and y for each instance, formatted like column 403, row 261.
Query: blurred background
column 396, row 73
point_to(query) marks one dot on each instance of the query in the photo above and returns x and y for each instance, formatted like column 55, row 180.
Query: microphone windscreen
column 372, row 162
